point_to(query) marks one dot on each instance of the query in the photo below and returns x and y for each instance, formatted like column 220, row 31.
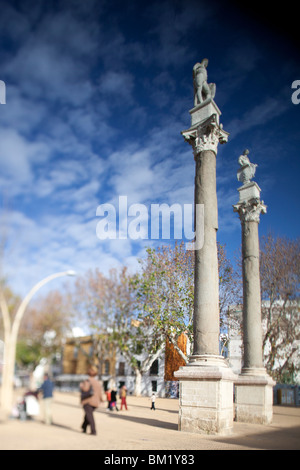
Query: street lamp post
column 11, row 331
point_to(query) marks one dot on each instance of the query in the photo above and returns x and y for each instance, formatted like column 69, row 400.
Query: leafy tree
column 103, row 305
column 28, row 354
column 279, row 272
column 140, row 345
column 106, row 305
column 164, row 291
column 43, row 329
column 138, row 313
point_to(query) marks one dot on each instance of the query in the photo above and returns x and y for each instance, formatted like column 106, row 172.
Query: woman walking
column 91, row 397
column 123, row 397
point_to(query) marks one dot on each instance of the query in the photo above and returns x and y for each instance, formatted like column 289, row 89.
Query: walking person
column 91, row 398
column 47, row 391
column 153, row 397
column 123, row 393
column 108, row 396
column 113, row 403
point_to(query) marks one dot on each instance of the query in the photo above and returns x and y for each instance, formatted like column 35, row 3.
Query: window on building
column 106, row 367
column 154, row 386
column 121, row 368
column 154, row 368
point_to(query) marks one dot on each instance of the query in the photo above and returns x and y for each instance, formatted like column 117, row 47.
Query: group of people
column 92, row 395
column 28, row 406
column 111, row 396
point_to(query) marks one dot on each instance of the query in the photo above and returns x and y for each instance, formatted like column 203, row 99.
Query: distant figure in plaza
column 108, row 397
column 91, row 398
column 153, row 398
column 31, row 404
column 202, row 89
column 113, row 400
column 47, row 391
column 27, row 407
column 123, row 394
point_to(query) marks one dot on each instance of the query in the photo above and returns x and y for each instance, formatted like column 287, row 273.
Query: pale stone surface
column 254, row 397
column 206, row 298
column 249, row 191
column 253, row 389
column 202, row 89
column 206, row 397
column 206, row 383
column 139, row 428
column 247, row 170
column 204, row 135
column 203, row 111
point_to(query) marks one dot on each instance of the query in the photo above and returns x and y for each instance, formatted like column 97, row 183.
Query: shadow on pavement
column 147, row 421
column 63, row 426
column 157, row 408
column 275, row 439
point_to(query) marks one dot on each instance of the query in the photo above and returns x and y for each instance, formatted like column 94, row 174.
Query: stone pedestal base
column 254, row 397
column 206, row 396
column 203, row 111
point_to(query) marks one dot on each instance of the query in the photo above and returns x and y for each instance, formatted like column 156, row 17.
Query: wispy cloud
column 260, row 115
column 96, row 100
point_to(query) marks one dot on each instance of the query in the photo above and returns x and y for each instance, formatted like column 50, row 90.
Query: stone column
column 206, row 327
column 253, row 389
column 206, row 383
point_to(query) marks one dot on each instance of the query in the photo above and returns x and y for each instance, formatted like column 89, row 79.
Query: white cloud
column 17, row 158
column 260, row 114
column 118, row 84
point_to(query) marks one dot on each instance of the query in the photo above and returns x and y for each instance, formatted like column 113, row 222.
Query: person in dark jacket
column 113, row 400
column 47, row 391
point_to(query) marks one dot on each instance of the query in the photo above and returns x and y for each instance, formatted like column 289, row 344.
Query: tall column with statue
column 253, row 389
column 206, row 383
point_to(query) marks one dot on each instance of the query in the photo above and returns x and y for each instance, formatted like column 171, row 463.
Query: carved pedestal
column 254, row 397
column 206, row 396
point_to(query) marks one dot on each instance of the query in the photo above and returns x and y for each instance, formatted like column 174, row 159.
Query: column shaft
column 206, row 300
column 251, row 296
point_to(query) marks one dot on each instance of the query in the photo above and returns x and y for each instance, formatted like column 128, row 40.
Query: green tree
column 106, row 307
column 164, row 291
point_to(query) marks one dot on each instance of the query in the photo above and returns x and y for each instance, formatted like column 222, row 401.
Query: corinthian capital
column 249, row 211
column 206, row 136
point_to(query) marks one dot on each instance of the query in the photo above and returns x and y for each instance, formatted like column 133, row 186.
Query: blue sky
column 97, row 94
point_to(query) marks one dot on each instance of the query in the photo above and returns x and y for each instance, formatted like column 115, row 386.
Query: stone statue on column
column 247, row 170
column 202, row 90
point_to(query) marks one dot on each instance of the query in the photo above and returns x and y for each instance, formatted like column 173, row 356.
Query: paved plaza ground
column 139, row 428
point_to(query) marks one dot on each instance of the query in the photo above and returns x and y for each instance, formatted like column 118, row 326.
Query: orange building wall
column 77, row 357
column 172, row 358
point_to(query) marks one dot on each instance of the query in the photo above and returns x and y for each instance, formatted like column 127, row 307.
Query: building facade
column 79, row 353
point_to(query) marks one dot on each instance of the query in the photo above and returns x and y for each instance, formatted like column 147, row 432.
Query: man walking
column 47, row 390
